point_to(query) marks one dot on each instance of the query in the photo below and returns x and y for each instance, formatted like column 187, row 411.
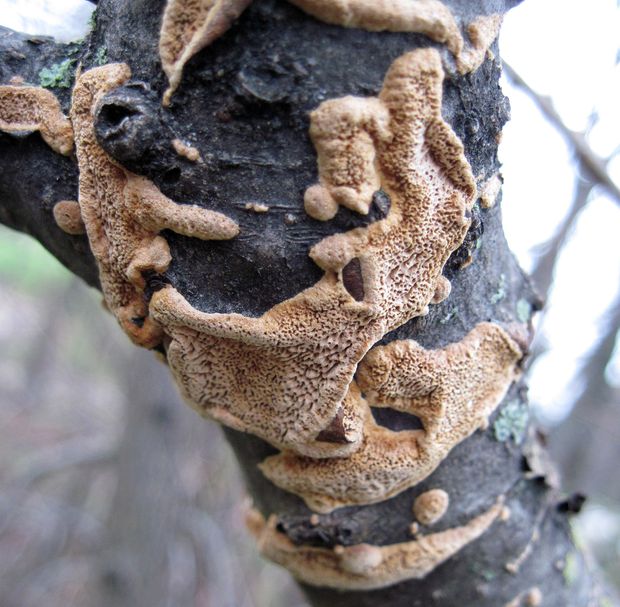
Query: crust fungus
column 189, row 26
column 364, row 566
column 452, row 390
column 482, row 32
column 186, row 151
column 285, row 376
column 123, row 213
column 30, row 108
column 490, row 190
column 430, row 506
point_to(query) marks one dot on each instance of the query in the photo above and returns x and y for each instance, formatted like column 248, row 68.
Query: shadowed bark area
column 244, row 103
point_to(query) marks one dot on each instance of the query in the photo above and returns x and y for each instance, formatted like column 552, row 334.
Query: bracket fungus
column 364, row 566
column 452, row 390
column 286, row 375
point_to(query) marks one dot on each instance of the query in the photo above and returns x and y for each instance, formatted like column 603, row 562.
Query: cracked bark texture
column 244, row 103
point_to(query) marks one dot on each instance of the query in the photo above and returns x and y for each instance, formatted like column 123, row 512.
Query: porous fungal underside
column 287, row 375
column 29, row 108
column 452, row 390
column 304, row 376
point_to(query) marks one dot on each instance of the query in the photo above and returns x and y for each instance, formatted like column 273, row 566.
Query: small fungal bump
column 361, row 559
column 319, row 204
column 256, row 207
column 534, row 597
column 504, row 515
column 186, row 151
column 414, row 529
column 490, row 190
column 430, row 506
column 68, row 217
column 315, row 519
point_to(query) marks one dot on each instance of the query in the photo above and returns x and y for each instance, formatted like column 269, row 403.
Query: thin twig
column 595, row 165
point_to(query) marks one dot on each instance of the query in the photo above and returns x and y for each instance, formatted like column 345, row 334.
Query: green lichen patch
column 511, row 422
column 524, row 310
column 101, row 56
column 59, row 75
column 501, row 290
column 571, row 569
column 449, row 316
column 92, row 20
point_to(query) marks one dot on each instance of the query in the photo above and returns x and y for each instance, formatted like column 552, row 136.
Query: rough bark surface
column 244, row 102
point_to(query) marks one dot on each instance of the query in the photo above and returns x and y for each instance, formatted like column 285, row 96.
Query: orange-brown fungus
column 286, row 375
column 365, row 566
column 30, row 108
column 123, row 213
column 452, row 390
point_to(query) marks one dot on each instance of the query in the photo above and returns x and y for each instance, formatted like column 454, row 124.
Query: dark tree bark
column 244, row 101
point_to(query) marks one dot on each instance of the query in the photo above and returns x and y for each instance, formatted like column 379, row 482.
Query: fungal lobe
column 365, row 566
column 285, row 375
column 123, row 213
column 30, row 108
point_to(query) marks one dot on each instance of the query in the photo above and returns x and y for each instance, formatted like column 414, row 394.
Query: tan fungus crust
column 124, row 213
column 452, row 390
column 490, row 190
column 430, row 506
column 482, row 32
column 364, row 566
column 285, row 376
column 188, row 26
column 30, row 108
column 186, row 151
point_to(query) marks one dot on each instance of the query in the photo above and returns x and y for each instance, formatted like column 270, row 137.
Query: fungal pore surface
column 288, row 375
column 124, row 213
column 452, row 390
column 31, row 108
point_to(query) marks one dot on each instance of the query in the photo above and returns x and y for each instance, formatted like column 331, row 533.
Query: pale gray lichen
column 449, row 316
column 524, row 310
column 101, row 56
column 59, row 75
column 501, row 290
column 511, row 422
